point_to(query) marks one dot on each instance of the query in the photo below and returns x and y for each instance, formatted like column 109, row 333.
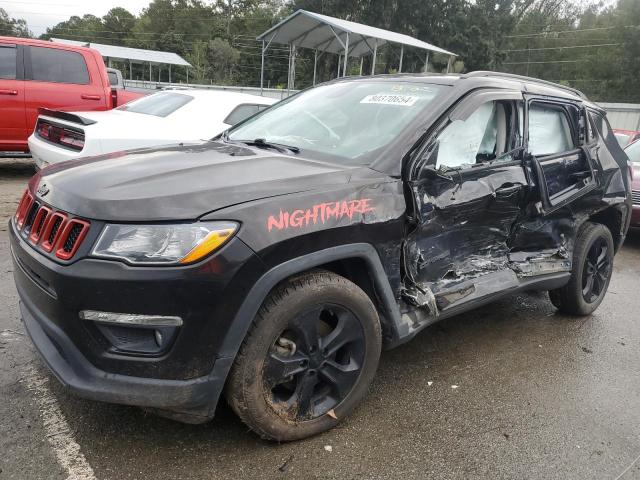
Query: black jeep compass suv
column 274, row 262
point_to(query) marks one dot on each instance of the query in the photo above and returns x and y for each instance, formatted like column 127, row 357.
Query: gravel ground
column 512, row 390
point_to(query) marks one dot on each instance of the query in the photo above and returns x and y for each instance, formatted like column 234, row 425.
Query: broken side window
column 483, row 136
column 549, row 130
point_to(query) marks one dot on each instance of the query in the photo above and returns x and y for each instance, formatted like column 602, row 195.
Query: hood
column 179, row 182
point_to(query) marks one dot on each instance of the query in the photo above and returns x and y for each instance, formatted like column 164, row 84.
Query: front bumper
column 190, row 400
column 188, row 378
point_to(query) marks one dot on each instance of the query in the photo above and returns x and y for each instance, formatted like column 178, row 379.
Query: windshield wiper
column 262, row 143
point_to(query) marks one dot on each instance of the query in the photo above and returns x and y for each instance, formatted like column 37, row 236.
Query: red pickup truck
column 38, row 73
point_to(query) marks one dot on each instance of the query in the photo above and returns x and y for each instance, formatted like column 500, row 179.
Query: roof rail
column 483, row 73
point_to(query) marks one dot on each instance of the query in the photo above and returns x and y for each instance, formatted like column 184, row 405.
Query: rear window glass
column 8, row 62
column 113, row 78
column 58, row 66
column 633, row 152
column 242, row 112
column 623, row 139
column 159, row 104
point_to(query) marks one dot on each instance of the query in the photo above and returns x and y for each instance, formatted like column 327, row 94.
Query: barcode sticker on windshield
column 390, row 99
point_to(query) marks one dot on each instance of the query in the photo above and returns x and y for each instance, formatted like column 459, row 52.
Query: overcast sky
column 41, row 14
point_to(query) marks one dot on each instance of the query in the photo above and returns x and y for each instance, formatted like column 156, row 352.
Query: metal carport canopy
column 315, row 31
column 328, row 34
column 137, row 55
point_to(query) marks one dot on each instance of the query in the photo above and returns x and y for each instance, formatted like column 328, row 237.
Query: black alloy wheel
column 315, row 362
column 308, row 358
column 592, row 268
column 596, row 271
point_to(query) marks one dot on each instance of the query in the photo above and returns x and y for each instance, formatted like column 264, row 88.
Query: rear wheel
column 308, row 358
column 591, row 274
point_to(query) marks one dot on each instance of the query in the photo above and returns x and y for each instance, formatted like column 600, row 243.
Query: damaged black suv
column 274, row 262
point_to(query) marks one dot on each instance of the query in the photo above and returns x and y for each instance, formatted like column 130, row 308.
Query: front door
column 468, row 193
column 13, row 125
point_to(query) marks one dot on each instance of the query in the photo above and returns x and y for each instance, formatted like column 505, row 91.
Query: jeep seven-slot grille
column 49, row 230
column 635, row 197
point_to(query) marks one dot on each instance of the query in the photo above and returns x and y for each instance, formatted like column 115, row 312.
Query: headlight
column 163, row 244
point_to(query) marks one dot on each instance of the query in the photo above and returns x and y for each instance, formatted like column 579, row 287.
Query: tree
column 199, row 61
column 87, row 28
column 12, row 27
column 118, row 25
column 222, row 59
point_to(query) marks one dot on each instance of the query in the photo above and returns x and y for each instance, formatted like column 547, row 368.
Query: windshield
column 346, row 120
column 633, row 152
column 158, row 104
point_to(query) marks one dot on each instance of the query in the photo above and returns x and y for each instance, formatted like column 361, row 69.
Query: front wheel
column 591, row 274
column 308, row 359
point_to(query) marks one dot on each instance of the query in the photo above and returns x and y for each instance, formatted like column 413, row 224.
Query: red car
column 633, row 152
column 38, row 73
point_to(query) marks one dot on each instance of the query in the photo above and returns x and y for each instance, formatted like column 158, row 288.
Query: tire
column 591, row 274
column 280, row 382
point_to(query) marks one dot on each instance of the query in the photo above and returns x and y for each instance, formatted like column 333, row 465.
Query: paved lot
column 539, row 395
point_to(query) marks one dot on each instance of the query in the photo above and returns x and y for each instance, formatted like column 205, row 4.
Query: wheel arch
column 614, row 219
column 343, row 260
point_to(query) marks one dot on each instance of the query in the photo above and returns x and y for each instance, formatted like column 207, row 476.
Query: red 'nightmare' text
column 319, row 213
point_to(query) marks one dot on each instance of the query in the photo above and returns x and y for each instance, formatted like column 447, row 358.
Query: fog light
column 131, row 319
column 133, row 334
column 159, row 338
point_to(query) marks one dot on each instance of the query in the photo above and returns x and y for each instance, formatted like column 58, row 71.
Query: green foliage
column 12, row 27
column 592, row 46
column 594, row 49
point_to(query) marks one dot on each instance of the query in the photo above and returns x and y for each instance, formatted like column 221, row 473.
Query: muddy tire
column 591, row 274
column 308, row 358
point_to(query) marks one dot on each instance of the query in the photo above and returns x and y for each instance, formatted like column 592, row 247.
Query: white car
column 166, row 117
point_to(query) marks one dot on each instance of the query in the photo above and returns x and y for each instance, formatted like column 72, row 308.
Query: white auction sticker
column 390, row 99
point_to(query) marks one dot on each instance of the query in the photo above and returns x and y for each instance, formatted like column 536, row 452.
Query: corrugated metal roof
column 136, row 54
column 313, row 30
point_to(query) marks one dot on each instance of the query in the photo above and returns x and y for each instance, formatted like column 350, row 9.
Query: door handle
column 8, row 92
column 85, row 96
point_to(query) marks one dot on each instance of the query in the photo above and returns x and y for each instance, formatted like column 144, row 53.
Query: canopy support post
column 339, row 63
column 262, row 70
column 315, row 64
column 293, row 67
column 130, row 70
column 289, row 72
column 150, row 79
column 291, row 79
column 264, row 51
column 375, row 54
column 346, row 56
column 426, row 63
column 449, row 64
column 401, row 58
column 361, row 64
column 169, row 73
